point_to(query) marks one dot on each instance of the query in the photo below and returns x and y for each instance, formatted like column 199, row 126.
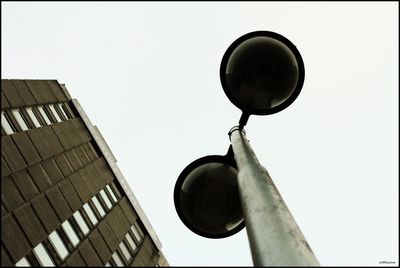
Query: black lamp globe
column 207, row 199
column 262, row 73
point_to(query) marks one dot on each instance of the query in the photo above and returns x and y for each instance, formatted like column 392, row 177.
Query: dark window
column 22, row 263
column 58, row 245
column 21, row 120
column 33, row 117
column 73, row 238
column 55, row 113
column 81, row 222
column 42, row 255
column 6, row 124
column 45, row 115
column 64, row 111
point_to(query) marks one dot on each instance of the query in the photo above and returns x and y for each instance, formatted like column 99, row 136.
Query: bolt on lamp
column 215, row 196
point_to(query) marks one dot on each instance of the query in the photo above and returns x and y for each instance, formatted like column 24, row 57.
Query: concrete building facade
column 64, row 202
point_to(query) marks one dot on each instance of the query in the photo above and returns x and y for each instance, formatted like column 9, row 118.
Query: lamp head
column 262, row 73
column 207, row 199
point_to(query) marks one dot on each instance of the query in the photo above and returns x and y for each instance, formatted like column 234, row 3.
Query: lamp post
column 261, row 73
column 274, row 237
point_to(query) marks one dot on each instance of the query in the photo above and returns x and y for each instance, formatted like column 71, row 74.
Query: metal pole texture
column 274, row 237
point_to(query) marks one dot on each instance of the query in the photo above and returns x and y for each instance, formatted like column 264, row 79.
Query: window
column 42, row 255
column 130, row 241
column 136, row 233
column 82, row 224
column 125, row 251
column 117, row 259
column 111, row 193
column 70, row 233
column 20, row 119
column 58, row 245
column 105, row 198
column 44, row 115
column 139, row 229
column 53, row 110
column 22, row 263
column 90, row 213
column 33, row 117
column 64, row 111
column 6, row 124
column 98, row 206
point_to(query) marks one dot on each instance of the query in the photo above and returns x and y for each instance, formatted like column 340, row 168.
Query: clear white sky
column 147, row 74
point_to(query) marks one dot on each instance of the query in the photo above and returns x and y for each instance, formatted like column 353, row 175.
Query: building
column 64, row 202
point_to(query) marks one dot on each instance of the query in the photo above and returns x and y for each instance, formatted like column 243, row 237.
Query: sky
column 147, row 74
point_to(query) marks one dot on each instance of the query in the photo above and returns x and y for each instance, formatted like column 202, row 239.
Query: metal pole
column 274, row 237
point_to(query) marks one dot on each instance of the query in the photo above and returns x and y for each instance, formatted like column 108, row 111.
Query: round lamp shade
column 262, row 73
column 207, row 199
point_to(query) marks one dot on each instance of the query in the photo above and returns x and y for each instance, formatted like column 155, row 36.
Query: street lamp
column 206, row 197
column 261, row 73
